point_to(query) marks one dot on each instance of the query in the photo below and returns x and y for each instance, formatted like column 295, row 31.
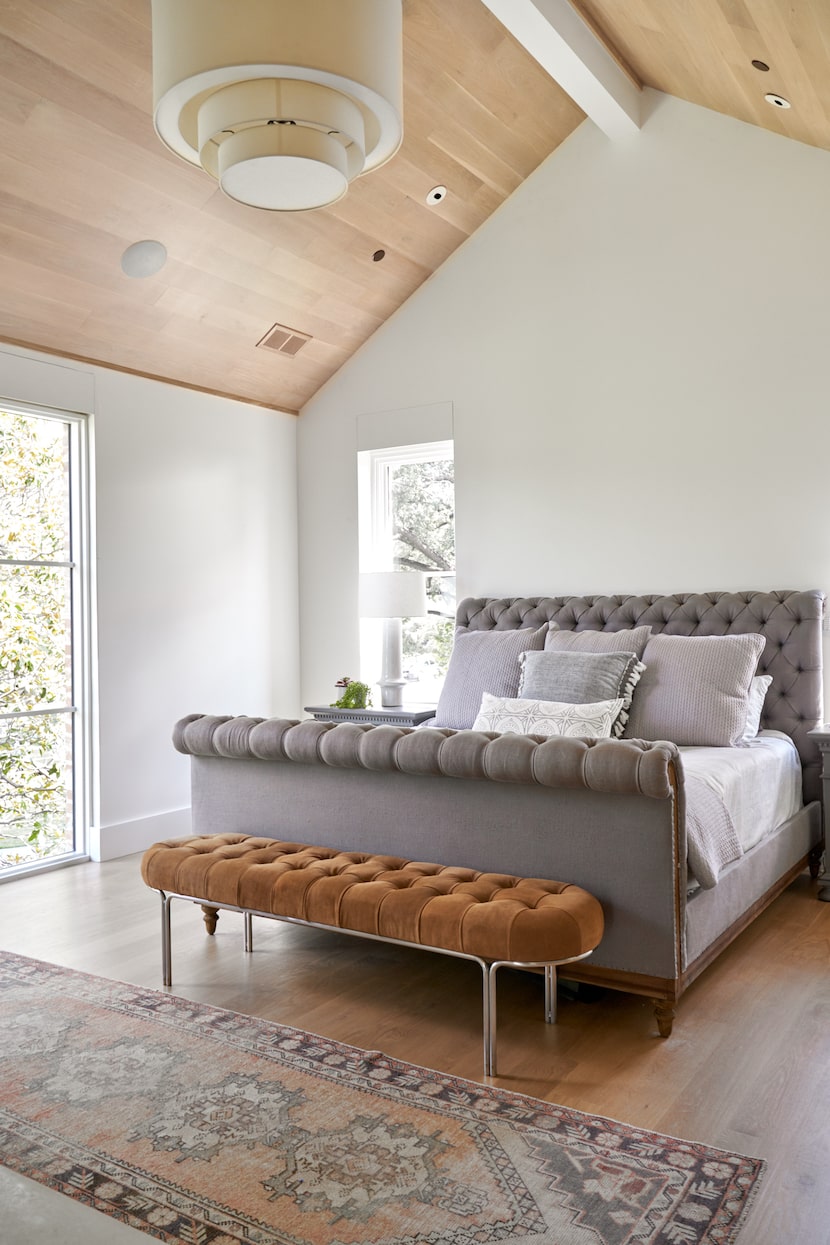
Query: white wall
column 196, row 574
column 635, row 347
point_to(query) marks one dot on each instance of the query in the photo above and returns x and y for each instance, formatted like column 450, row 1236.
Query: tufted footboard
column 608, row 810
column 607, row 815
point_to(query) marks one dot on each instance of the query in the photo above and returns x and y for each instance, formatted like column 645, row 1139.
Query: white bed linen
column 759, row 783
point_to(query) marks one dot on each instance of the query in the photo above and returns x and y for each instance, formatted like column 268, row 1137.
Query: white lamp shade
column 393, row 594
column 283, row 101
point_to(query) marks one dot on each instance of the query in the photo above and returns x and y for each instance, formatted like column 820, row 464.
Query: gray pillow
column 695, row 689
column 482, row 661
column 632, row 641
column 577, row 678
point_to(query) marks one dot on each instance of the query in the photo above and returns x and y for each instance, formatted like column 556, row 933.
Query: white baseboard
column 126, row 837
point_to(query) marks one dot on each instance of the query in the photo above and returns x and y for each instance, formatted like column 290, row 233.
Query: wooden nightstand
column 402, row 715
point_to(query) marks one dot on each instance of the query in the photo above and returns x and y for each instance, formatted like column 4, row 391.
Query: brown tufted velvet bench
column 492, row 918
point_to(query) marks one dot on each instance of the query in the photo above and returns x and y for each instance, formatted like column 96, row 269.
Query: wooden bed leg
column 211, row 916
column 664, row 1015
column 815, row 861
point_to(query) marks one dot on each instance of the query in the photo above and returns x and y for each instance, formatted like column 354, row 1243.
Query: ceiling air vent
column 284, row 340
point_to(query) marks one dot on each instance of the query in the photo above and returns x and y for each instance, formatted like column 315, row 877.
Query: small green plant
column 355, row 694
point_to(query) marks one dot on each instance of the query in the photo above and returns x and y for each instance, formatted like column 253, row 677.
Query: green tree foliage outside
column 35, row 667
column 423, row 509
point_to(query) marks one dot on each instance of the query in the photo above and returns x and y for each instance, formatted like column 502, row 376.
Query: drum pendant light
column 284, row 102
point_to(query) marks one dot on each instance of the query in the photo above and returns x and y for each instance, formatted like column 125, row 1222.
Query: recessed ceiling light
column 777, row 101
column 436, row 195
column 762, row 65
column 144, row 259
column 378, row 256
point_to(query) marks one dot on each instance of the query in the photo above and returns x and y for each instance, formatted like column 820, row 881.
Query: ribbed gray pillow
column 694, row 689
column 632, row 641
column 482, row 661
column 577, row 678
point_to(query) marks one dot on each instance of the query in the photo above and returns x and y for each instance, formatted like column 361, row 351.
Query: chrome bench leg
column 550, row 994
column 489, row 968
column 490, row 1016
column 490, row 1006
column 166, row 950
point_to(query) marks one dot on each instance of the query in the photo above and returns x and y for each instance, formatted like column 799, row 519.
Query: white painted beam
column 555, row 35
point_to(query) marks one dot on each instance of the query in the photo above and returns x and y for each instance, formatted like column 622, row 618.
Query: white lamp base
column 391, row 694
column 391, row 681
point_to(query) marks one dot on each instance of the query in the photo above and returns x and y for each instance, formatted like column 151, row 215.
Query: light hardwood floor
column 747, row 1067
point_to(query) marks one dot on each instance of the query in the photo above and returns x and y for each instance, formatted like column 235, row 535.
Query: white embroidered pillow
column 547, row 717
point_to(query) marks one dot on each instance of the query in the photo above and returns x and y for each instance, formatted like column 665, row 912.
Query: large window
column 45, row 647
column 407, row 523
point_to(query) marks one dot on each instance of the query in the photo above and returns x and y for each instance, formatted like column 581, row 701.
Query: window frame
column 375, row 536
column 375, row 469
column 83, row 706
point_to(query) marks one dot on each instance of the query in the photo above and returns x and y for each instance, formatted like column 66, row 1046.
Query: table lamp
column 392, row 595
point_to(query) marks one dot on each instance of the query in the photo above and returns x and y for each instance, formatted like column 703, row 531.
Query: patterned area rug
column 205, row 1127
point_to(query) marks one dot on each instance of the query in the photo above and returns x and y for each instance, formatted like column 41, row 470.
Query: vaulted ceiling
column 704, row 51
column 84, row 175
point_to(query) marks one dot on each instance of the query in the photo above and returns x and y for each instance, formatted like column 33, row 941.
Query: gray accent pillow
column 482, row 661
column 695, row 689
column 578, row 678
column 632, row 641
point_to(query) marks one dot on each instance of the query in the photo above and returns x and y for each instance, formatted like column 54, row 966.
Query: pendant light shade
column 284, row 102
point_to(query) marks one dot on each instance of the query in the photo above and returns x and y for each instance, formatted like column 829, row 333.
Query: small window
column 407, row 523
column 45, row 648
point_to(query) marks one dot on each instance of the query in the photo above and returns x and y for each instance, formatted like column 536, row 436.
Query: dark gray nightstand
column 821, row 734
column 402, row 715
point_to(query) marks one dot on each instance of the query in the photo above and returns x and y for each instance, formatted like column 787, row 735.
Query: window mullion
column 66, row 566
column 33, row 713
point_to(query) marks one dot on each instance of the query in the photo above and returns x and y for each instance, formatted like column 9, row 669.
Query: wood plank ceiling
column 84, row 176
column 702, row 51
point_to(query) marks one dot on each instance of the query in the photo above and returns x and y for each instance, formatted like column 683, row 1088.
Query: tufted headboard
column 789, row 621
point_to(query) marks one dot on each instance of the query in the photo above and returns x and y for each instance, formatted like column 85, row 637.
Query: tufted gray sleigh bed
column 607, row 814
